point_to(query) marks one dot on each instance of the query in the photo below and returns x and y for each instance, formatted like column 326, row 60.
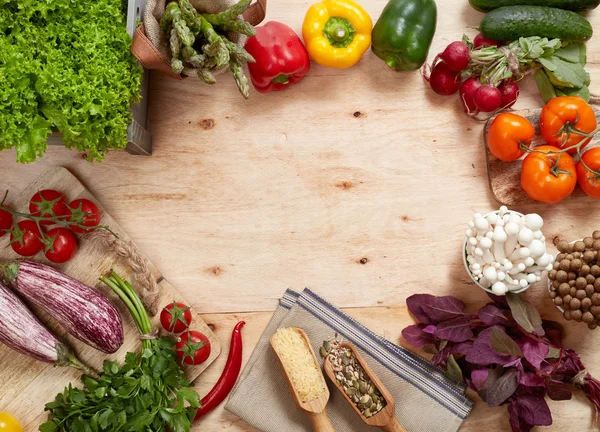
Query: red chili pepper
column 281, row 58
column 229, row 376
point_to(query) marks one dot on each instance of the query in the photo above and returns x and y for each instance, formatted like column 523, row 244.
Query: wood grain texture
column 358, row 183
column 28, row 384
column 505, row 177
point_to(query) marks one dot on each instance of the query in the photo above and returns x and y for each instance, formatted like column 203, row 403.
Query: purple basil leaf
column 499, row 300
column 429, row 329
column 441, row 357
column 492, row 315
column 515, row 363
column 493, row 376
column 462, row 348
column 554, row 331
column 558, row 390
column 417, row 337
column 503, row 388
column 443, row 308
column 415, row 306
column 455, row 330
column 529, row 379
column 525, row 314
column 503, row 343
column 478, row 378
column 535, row 352
column 430, row 349
column 483, row 354
column 532, row 410
column 453, row 370
column 517, row 424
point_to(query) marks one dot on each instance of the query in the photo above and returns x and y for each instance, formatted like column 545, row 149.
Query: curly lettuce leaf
column 65, row 66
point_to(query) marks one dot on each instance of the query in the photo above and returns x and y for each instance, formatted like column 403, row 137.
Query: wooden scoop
column 315, row 409
column 386, row 418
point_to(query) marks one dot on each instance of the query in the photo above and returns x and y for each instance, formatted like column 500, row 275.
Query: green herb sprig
column 148, row 393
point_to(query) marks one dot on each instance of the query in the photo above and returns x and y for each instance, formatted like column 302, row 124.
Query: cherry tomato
column 92, row 219
column 545, row 180
column 48, row 203
column 6, row 222
column 193, row 348
column 25, row 238
column 63, row 247
column 588, row 181
column 8, row 423
column 506, row 134
column 176, row 317
column 563, row 112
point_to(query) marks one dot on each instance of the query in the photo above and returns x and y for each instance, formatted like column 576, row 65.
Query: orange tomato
column 588, row 180
column 547, row 176
column 566, row 110
column 506, row 134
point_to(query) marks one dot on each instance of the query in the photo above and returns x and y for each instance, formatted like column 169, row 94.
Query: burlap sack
column 151, row 47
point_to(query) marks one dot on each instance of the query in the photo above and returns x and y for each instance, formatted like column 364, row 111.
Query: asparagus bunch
column 201, row 41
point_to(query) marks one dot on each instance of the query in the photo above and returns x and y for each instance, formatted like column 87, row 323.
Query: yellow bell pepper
column 337, row 32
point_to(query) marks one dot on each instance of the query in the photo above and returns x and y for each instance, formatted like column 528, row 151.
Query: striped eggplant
column 83, row 311
column 23, row 332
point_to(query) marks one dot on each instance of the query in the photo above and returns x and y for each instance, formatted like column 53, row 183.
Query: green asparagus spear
column 176, row 65
column 193, row 57
column 242, row 27
column 206, row 76
column 238, row 53
column 228, row 15
column 240, row 79
column 190, row 15
column 175, row 44
column 166, row 21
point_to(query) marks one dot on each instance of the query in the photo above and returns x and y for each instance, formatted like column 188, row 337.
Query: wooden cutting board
column 28, row 384
column 505, row 177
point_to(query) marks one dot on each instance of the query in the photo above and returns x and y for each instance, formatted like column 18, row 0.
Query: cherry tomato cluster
column 550, row 173
column 49, row 225
column 193, row 347
column 449, row 74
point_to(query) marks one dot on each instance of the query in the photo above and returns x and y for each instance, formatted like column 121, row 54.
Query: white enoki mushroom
column 506, row 251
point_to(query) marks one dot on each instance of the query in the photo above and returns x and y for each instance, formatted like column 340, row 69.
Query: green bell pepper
column 403, row 33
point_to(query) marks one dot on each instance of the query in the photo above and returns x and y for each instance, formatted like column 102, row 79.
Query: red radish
column 456, row 56
column 443, row 80
column 510, row 93
column 482, row 42
column 467, row 94
column 487, row 98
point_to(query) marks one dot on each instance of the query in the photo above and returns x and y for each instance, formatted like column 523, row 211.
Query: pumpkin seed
column 367, row 412
column 362, row 386
column 366, row 399
column 323, row 352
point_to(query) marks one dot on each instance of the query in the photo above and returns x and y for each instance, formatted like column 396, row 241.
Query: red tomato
column 193, row 348
column 547, row 176
column 63, row 247
column 6, row 222
column 589, row 181
column 25, row 238
column 78, row 208
column 176, row 317
column 48, row 203
column 506, row 134
column 562, row 113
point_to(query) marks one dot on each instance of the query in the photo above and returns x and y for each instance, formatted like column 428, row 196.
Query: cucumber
column 509, row 23
column 573, row 5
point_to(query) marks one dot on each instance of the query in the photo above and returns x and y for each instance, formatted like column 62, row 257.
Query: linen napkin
column 426, row 399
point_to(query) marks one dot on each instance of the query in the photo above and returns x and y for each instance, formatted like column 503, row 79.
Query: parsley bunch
column 147, row 393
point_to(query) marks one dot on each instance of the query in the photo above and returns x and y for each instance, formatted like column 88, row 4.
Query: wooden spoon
column 386, row 418
column 315, row 409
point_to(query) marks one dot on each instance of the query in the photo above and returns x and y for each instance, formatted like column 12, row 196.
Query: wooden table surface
column 357, row 183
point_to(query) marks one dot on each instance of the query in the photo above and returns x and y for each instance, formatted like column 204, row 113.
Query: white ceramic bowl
column 464, row 256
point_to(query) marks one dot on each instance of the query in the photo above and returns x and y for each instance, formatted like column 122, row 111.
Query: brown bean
column 556, row 265
column 596, row 245
column 575, row 303
column 564, row 289
column 565, row 265
column 589, row 290
column 555, row 284
column 586, row 303
column 569, row 257
column 587, row 317
column 585, row 270
column 596, row 235
column 567, row 299
column 562, row 276
column 589, row 241
column 560, row 257
column 567, row 315
column 595, row 310
column 588, row 256
column 572, row 275
column 576, row 265
column 576, row 314
column 592, row 325
column 558, row 301
column 596, row 299
column 579, row 246
column 580, row 283
column 571, row 282
column 563, row 246
column 552, row 274
column 589, row 279
column 597, row 285
column 553, row 294
column 595, row 270
column 581, row 294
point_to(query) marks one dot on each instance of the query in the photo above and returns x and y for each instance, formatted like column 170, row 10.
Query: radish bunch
column 451, row 72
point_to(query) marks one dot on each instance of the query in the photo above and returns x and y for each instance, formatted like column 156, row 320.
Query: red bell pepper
column 281, row 58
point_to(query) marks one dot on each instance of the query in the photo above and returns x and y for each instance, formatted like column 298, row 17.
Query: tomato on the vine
column 78, row 208
column 25, row 238
column 548, row 176
column 193, row 348
column 9, row 423
column 563, row 114
column 506, row 134
column 6, row 222
column 176, row 317
column 47, row 203
column 61, row 245
column 590, row 181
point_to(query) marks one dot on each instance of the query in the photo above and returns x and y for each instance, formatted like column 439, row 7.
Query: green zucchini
column 573, row 5
column 509, row 23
